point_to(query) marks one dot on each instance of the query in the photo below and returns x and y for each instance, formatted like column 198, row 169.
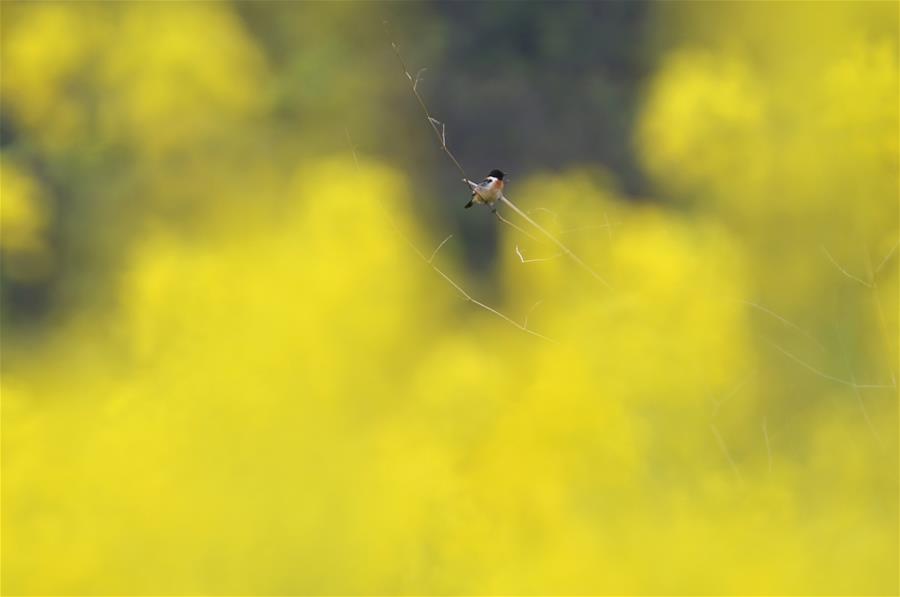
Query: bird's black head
column 498, row 174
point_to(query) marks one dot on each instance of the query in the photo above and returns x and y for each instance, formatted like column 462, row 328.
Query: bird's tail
column 469, row 204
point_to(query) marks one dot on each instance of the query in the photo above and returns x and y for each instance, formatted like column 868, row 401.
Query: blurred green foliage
column 225, row 370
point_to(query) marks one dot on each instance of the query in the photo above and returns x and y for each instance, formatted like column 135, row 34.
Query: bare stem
column 785, row 321
column 886, row 259
column 822, row 374
column 430, row 262
column 524, row 260
column 873, row 275
column 722, row 446
column 522, row 326
column 842, row 270
column 510, row 224
column 443, row 242
column 553, row 239
column 440, row 132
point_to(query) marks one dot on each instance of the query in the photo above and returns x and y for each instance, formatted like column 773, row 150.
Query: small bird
column 488, row 190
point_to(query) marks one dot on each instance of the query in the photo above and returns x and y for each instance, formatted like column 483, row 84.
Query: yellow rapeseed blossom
column 24, row 224
column 277, row 388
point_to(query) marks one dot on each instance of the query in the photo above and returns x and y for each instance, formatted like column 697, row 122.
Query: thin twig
column 783, row 320
column 352, row 149
column 608, row 227
column 882, row 321
column 530, row 311
column 886, row 259
column 429, row 261
column 440, row 134
column 884, row 333
column 824, row 375
column 842, row 270
column 418, row 77
column 734, row 392
column 508, row 223
column 865, row 413
column 724, row 448
column 438, row 127
column 553, row 239
column 469, row 298
column 856, row 392
column 523, row 260
column 544, row 209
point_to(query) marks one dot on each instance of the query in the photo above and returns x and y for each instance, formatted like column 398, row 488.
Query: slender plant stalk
column 552, row 238
column 440, row 131
column 430, row 262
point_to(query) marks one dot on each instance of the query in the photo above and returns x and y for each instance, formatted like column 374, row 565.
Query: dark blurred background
column 521, row 86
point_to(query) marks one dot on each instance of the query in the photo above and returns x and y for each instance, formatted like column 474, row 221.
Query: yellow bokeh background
column 266, row 387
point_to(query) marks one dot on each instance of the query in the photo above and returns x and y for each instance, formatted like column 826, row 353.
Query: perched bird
column 488, row 190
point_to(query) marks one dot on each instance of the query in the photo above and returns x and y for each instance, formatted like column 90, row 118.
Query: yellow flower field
column 232, row 366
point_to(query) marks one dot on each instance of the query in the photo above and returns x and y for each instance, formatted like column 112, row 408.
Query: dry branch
column 430, row 262
column 440, row 132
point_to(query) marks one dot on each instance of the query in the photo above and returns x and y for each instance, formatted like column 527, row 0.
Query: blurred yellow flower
column 24, row 224
column 264, row 387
